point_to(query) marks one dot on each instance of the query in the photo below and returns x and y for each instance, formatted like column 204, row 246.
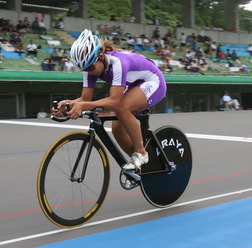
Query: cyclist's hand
column 60, row 110
column 76, row 110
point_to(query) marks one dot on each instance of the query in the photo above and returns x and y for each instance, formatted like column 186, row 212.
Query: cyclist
column 136, row 84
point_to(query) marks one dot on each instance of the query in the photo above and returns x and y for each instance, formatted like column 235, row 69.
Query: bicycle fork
column 86, row 145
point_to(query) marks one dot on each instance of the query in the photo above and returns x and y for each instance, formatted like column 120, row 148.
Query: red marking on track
column 125, row 194
column 22, row 212
column 220, row 177
column 74, row 203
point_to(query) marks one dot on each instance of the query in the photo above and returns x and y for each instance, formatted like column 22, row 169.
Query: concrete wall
column 218, row 36
column 15, row 16
column 79, row 24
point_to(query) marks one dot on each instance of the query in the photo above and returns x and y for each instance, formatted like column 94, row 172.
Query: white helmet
column 84, row 51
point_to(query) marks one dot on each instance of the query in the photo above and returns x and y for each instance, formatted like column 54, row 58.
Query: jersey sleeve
column 89, row 81
column 120, row 69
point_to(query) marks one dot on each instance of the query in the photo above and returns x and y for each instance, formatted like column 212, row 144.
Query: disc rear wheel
column 162, row 188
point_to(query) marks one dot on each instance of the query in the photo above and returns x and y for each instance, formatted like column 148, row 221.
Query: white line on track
column 81, row 127
column 121, row 217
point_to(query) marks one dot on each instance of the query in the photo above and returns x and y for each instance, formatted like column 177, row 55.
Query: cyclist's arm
column 85, row 103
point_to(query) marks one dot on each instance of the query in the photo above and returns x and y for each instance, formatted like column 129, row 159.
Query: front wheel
column 70, row 203
column 158, row 186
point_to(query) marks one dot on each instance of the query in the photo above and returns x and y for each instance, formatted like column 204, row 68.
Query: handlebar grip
column 68, row 107
column 55, row 104
column 54, row 118
column 60, row 119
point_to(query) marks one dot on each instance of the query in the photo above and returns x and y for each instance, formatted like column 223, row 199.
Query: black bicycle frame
column 98, row 125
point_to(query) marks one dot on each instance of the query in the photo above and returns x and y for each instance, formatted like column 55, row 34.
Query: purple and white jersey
column 131, row 69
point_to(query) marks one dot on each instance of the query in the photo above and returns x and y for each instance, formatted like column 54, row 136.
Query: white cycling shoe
column 136, row 161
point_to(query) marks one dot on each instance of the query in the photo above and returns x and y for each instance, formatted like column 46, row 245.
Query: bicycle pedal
column 133, row 175
column 128, row 182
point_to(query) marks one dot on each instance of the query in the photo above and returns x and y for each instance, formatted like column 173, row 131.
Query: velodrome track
column 215, row 211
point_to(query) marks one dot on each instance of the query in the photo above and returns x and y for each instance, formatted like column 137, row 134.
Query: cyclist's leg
column 122, row 137
column 132, row 101
column 137, row 99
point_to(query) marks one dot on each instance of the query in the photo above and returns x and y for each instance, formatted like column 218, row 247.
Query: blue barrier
column 12, row 55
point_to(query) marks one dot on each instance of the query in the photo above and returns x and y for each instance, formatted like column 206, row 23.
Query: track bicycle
column 74, row 174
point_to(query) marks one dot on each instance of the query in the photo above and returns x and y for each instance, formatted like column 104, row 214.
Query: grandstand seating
column 75, row 35
column 12, row 55
column 241, row 50
column 67, row 38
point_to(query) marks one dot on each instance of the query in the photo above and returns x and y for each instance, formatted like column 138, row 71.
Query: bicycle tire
column 66, row 203
column 163, row 189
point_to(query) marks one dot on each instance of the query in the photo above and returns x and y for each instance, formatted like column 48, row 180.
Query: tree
column 245, row 20
column 169, row 12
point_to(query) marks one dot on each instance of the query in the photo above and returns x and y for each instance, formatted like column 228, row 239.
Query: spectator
column 113, row 18
column 55, row 55
column 13, row 38
column 132, row 18
column 65, row 52
column 45, row 65
column 8, row 26
column 165, row 66
column 69, row 67
column 2, row 37
column 20, row 28
column 155, row 21
column 42, row 113
column 32, row 49
column 48, row 65
column 229, row 102
column 156, row 33
column 60, row 24
column 250, row 49
column 182, row 41
column 159, row 50
column 26, row 23
column 146, row 44
column 61, row 64
column 221, row 56
column 130, row 42
column 208, row 49
column 189, row 56
column 213, row 46
column 194, row 44
column 19, row 46
column 198, row 53
column 203, row 65
column 195, row 66
column 139, row 42
column 52, row 65
column 228, row 55
column 35, row 25
column 42, row 26
column 105, row 29
column 235, row 57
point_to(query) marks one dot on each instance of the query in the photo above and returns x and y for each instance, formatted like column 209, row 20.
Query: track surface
column 215, row 207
